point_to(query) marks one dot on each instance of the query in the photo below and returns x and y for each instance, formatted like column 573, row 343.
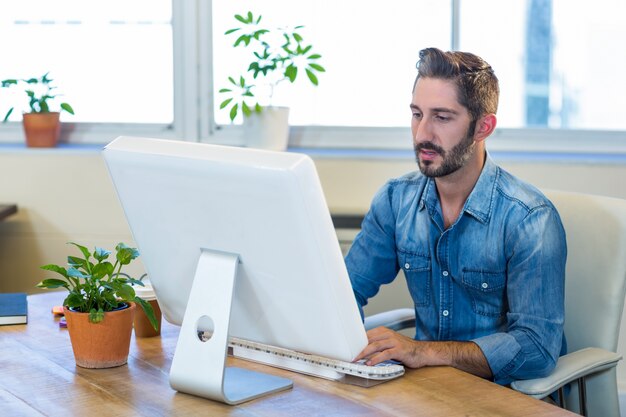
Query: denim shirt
column 494, row 277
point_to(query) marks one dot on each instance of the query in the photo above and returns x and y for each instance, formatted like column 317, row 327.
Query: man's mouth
column 427, row 154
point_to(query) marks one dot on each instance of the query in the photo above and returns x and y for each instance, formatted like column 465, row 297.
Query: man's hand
column 385, row 344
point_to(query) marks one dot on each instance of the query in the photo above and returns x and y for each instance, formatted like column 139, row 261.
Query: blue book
column 13, row 308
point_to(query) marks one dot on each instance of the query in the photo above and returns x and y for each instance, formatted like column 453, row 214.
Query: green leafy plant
column 278, row 55
column 98, row 286
column 39, row 92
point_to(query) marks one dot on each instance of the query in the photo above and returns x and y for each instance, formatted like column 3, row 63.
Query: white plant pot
column 268, row 129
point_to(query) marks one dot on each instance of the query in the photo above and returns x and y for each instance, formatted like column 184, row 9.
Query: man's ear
column 485, row 127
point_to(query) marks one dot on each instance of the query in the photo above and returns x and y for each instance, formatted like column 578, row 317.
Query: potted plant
column 100, row 306
column 277, row 55
column 41, row 125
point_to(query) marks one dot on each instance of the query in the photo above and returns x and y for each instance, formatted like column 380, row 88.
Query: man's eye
column 442, row 118
column 417, row 115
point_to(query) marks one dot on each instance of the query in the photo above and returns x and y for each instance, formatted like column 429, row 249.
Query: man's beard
column 452, row 160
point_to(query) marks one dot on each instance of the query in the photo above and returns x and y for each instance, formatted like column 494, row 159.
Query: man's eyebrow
column 435, row 109
column 444, row 110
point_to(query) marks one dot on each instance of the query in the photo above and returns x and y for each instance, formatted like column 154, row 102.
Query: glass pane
column 369, row 51
column 557, row 60
column 112, row 61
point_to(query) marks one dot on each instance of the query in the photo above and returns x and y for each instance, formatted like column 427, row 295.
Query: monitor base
column 199, row 365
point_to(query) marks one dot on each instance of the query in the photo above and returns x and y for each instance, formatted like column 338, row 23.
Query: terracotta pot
column 142, row 325
column 101, row 345
column 41, row 129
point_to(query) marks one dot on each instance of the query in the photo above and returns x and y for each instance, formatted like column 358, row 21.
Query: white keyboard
column 353, row 373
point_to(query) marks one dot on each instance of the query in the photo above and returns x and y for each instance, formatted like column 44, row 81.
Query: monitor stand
column 199, row 367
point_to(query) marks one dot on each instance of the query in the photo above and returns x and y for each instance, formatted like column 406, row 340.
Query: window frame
column 194, row 104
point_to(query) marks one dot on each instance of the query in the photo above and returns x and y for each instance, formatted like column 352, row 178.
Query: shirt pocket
column 416, row 269
column 487, row 291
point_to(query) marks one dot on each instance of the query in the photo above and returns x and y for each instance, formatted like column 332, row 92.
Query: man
column 483, row 252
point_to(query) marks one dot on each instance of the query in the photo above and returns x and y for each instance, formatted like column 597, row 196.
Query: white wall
column 66, row 195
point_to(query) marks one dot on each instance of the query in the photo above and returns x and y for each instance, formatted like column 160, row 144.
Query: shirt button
column 445, row 273
column 484, row 285
column 407, row 265
column 445, row 313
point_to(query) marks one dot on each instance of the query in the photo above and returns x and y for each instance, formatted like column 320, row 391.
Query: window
column 112, row 60
column 154, row 67
column 369, row 50
column 558, row 61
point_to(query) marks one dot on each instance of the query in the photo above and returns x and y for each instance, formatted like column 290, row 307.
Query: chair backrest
column 595, row 282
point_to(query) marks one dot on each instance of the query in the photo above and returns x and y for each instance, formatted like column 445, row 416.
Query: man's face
column 443, row 132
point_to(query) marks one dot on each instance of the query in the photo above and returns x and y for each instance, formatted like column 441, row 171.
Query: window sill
column 394, row 144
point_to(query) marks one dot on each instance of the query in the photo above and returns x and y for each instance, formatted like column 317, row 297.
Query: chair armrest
column 399, row 319
column 568, row 368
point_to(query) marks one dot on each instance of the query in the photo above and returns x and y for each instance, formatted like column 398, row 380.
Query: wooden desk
column 6, row 210
column 38, row 377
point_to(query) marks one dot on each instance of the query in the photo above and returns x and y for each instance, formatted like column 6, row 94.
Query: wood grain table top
column 38, row 376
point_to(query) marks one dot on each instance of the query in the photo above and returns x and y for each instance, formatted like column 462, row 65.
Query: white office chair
column 594, row 300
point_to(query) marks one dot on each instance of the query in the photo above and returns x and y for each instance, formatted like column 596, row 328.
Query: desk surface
column 39, row 377
column 6, row 210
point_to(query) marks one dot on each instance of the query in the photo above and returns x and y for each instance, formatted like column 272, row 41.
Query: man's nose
column 423, row 131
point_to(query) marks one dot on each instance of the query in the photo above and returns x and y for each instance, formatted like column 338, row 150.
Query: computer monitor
column 242, row 239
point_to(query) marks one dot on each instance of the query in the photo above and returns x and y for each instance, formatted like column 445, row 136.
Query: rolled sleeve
column 534, row 338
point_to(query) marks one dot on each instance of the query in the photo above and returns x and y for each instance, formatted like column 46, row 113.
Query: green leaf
column 291, row 72
column 101, row 270
column 314, row 56
column 311, row 76
column 101, row 254
column 125, row 254
column 225, row 103
column 73, row 300
column 73, row 272
column 75, row 261
column 259, row 33
column 125, row 292
column 297, row 37
column 6, row 117
column 242, row 81
column 83, row 249
column 147, row 308
column 233, row 112
column 67, row 108
column 243, row 38
column 245, row 109
column 258, row 108
column 250, row 17
column 96, row 316
column 317, row 67
column 232, row 80
column 225, row 90
column 228, row 32
column 52, row 283
column 240, row 18
column 55, row 268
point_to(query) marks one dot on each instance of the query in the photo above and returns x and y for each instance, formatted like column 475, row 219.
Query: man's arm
column 385, row 344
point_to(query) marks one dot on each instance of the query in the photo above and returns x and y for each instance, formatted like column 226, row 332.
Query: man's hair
column 477, row 84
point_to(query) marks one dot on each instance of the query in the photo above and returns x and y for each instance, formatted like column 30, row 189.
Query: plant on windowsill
column 41, row 125
column 100, row 306
column 277, row 55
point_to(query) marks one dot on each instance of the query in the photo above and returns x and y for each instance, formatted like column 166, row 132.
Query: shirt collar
column 480, row 200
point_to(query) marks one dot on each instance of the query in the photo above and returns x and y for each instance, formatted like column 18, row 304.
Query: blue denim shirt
column 494, row 277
